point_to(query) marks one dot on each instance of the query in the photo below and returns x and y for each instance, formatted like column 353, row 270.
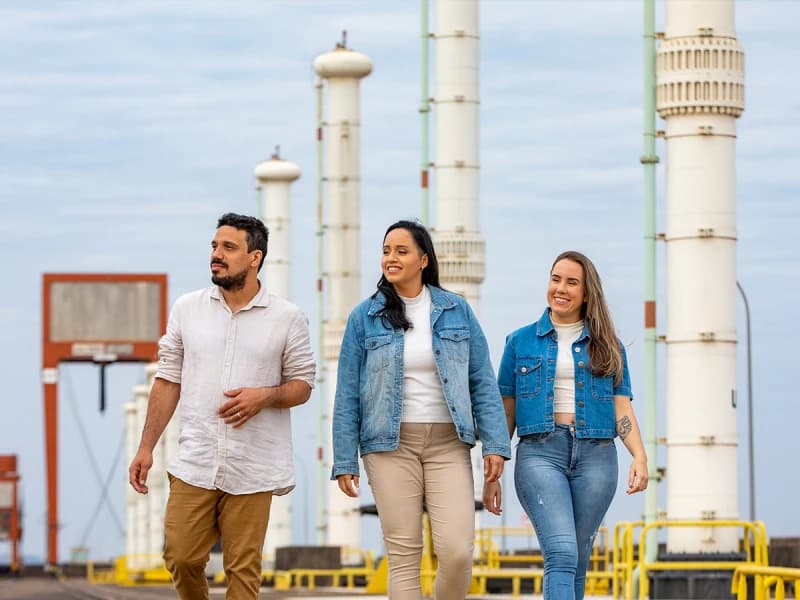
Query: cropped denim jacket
column 527, row 374
column 369, row 387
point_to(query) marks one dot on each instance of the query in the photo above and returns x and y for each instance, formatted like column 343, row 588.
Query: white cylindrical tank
column 458, row 241
column 141, row 512
column 699, row 94
column 144, row 536
column 157, row 485
column 131, row 496
column 342, row 69
column 275, row 177
column 459, row 244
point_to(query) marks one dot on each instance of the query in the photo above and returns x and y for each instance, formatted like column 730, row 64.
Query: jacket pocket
column 379, row 351
column 602, row 388
column 455, row 344
column 528, row 372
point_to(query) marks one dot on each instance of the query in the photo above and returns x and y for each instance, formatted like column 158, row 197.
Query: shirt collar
column 439, row 299
column 544, row 326
column 261, row 299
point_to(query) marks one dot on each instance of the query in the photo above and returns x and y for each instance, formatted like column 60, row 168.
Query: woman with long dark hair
column 414, row 380
column 567, row 392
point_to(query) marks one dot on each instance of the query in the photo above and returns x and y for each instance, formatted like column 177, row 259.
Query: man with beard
column 234, row 360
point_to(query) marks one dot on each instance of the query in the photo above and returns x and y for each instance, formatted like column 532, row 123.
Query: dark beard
column 231, row 283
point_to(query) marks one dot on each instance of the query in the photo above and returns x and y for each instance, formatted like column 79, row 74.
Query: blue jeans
column 565, row 484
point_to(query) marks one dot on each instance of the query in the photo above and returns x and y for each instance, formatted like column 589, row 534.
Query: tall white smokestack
column 700, row 94
column 275, row 177
column 459, row 244
column 342, row 69
column 144, row 514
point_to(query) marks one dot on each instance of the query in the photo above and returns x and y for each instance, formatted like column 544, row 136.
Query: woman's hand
column 493, row 497
column 492, row 467
column 348, row 484
column 638, row 475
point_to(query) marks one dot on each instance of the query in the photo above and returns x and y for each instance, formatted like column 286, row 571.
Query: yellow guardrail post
column 754, row 529
column 764, row 578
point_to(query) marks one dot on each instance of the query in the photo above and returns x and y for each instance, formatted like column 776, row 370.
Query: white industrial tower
column 342, row 69
column 700, row 93
column 144, row 514
column 459, row 244
column 275, row 177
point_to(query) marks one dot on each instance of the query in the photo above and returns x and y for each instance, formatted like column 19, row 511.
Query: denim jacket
column 527, row 373
column 369, row 388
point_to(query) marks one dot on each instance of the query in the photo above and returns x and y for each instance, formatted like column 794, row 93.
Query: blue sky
column 129, row 128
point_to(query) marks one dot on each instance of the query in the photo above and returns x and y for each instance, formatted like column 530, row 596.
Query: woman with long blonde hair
column 566, row 390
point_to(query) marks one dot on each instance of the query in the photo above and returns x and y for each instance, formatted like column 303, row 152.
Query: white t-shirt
column 423, row 396
column 564, row 388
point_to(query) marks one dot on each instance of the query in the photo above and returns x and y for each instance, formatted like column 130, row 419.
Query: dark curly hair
column 394, row 311
column 257, row 232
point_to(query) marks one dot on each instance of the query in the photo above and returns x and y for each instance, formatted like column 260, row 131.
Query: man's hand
column 348, row 484
column 244, row 404
column 140, row 467
column 492, row 467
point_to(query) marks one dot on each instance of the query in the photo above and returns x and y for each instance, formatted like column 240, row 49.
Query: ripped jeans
column 565, row 484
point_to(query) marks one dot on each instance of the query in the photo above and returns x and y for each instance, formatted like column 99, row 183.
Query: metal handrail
column 764, row 578
column 754, row 529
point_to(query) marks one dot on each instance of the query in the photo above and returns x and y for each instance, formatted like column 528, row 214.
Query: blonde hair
column 603, row 348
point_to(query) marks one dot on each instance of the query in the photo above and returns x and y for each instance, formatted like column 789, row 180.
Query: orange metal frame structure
column 54, row 353
column 8, row 474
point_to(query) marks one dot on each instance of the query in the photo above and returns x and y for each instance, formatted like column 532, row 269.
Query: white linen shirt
column 208, row 350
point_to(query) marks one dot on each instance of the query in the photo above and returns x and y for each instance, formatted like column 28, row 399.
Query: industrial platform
column 78, row 589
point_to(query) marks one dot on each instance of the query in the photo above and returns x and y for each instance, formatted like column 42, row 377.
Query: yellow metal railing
column 132, row 569
column 491, row 564
column 764, row 579
column 614, row 567
column 754, row 542
column 342, row 577
column 623, row 559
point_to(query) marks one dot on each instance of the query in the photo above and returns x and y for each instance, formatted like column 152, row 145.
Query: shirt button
column 581, row 403
column 524, row 369
column 438, row 352
column 577, row 349
column 580, row 384
column 581, row 423
column 580, row 363
column 445, row 380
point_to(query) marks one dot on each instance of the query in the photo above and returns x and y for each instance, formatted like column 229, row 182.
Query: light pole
column 750, row 463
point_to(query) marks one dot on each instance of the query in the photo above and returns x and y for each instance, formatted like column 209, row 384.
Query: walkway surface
column 74, row 589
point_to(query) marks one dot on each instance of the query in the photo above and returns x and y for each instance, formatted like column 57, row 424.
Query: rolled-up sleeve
column 624, row 387
column 298, row 358
column 170, row 348
column 506, row 380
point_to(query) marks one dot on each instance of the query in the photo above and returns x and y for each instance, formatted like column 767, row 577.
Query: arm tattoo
column 624, row 427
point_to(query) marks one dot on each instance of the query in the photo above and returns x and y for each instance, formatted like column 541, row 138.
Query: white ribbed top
column 423, row 396
column 564, row 388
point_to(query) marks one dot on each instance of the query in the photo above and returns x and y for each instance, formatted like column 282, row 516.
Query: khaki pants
column 433, row 465
column 195, row 518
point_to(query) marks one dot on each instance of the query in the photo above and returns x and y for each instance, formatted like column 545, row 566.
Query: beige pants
column 194, row 519
column 433, row 465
